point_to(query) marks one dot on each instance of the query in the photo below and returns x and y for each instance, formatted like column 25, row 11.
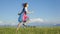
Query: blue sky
column 45, row 9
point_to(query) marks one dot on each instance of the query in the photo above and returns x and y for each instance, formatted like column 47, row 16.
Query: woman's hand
column 28, row 12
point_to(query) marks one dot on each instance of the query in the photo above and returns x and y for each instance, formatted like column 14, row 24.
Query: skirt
column 22, row 18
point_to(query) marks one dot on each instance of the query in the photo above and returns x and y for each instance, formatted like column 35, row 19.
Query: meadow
column 30, row 30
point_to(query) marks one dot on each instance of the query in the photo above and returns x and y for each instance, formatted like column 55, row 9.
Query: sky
column 47, row 11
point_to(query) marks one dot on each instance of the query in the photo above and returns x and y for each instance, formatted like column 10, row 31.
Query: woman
column 23, row 16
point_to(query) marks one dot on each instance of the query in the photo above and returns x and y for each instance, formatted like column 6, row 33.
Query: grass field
column 30, row 30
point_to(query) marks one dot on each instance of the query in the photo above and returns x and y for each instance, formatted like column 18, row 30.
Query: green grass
column 30, row 30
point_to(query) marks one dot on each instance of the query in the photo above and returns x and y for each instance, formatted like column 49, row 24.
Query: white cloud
column 55, row 21
column 40, row 20
column 1, row 22
column 15, row 22
column 37, row 20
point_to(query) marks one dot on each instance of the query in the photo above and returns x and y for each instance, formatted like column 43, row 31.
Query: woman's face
column 27, row 5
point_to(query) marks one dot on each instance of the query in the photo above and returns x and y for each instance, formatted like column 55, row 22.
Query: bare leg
column 18, row 26
column 24, row 24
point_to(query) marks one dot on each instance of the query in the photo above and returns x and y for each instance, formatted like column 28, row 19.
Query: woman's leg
column 18, row 26
column 24, row 24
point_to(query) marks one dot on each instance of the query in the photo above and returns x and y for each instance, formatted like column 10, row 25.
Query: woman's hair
column 25, row 4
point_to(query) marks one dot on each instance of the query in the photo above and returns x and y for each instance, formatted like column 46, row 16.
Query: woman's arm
column 28, row 12
column 19, row 12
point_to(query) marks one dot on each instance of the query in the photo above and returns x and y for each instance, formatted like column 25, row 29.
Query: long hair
column 25, row 4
